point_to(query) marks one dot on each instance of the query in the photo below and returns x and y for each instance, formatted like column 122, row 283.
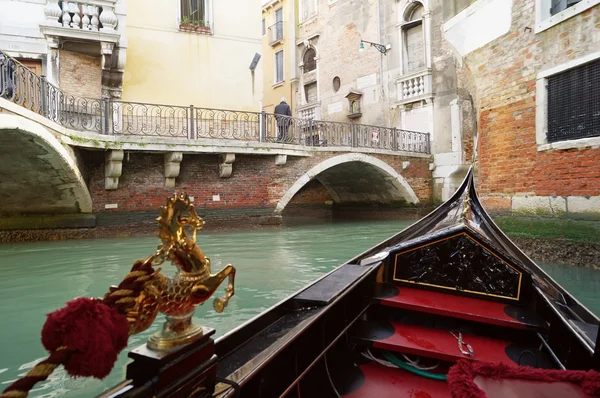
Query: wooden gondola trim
column 454, row 289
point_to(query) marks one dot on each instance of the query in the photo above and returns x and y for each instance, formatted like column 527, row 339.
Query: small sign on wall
column 335, row 107
column 216, row 198
column 375, row 136
column 366, row 81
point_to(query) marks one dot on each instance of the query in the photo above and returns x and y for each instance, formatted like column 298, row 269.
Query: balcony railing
column 276, row 33
column 414, row 87
column 105, row 116
column 86, row 15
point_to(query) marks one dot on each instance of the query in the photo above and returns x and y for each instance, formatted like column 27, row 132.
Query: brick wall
column 254, row 188
column 503, row 83
column 80, row 75
column 312, row 194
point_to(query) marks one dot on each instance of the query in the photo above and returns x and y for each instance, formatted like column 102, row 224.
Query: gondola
column 448, row 307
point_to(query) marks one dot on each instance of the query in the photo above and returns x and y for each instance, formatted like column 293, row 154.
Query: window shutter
column 414, row 48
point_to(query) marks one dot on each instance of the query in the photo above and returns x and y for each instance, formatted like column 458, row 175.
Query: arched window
column 309, row 60
column 413, row 38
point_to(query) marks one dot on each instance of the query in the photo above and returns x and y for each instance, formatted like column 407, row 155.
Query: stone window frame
column 541, row 107
column 407, row 8
column 544, row 20
column 302, row 6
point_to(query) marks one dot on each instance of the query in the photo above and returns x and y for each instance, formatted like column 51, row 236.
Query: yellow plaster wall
column 166, row 66
column 272, row 94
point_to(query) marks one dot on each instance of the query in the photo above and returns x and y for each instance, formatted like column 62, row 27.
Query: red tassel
column 93, row 332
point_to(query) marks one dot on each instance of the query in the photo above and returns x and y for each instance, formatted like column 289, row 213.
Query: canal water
column 38, row 278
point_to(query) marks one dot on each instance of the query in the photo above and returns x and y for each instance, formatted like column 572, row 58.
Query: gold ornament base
column 177, row 331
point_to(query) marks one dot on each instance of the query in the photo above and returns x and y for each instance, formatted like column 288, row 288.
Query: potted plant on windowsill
column 186, row 25
column 202, row 27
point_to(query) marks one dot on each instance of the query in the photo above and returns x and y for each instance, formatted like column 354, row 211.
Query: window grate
column 574, row 103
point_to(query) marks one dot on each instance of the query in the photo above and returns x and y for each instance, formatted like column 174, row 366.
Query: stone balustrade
column 91, row 15
column 414, row 87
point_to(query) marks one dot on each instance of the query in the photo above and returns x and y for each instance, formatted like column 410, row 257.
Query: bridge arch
column 38, row 175
column 392, row 186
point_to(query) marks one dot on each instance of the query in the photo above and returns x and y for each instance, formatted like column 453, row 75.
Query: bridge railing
column 111, row 117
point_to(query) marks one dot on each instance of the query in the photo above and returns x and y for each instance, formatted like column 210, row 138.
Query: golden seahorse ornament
column 192, row 285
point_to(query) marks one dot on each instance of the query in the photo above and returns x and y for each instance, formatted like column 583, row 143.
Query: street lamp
column 380, row 47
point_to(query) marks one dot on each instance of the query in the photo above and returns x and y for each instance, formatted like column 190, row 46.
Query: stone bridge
column 49, row 169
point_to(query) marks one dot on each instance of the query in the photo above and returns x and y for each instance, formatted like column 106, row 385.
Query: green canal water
column 38, row 278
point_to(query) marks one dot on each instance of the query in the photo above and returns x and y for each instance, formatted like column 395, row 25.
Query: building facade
column 279, row 30
column 385, row 63
column 79, row 46
column 194, row 52
column 533, row 69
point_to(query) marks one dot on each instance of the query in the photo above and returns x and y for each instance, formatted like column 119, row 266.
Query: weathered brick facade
column 501, row 76
column 80, row 75
column 254, row 188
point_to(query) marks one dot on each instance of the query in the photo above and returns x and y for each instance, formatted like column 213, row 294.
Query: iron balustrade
column 23, row 87
column 276, row 32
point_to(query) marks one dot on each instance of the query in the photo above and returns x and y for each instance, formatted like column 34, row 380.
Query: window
column 336, row 84
column 452, row 7
column 278, row 27
column 561, row 5
column 308, row 9
column 310, row 92
column 551, row 12
column 264, row 27
column 309, row 62
column 574, row 103
column 414, row 42
column 195, row 12
column 279, row 67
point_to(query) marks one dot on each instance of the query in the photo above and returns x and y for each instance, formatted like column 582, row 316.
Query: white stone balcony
column 310, row 111
column 414, row 87
column 89, row 20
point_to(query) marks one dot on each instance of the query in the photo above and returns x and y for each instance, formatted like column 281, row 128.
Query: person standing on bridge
column 283, row 115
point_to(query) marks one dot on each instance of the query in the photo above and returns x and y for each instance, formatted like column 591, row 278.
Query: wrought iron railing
column 106, row 116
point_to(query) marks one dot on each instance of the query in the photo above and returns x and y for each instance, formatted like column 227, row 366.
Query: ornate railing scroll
column 22, row 86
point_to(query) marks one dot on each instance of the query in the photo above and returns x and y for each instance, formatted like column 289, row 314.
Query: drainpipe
column 383, row 96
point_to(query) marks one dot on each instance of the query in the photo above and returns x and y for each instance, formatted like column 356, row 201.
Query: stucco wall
column 169, row 66
column 273, row 92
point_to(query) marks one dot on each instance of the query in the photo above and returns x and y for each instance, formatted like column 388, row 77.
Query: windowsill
column 278, row 84
column 564, row 15
column 308, row 20
column 276, row 42
column 582, row 143
column 308, row 106
column 200, row 31
column 410, row 75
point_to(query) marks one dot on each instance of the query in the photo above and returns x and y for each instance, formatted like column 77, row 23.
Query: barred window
column 195, row 12
column 574, row 103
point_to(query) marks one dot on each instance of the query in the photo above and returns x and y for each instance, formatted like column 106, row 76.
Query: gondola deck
column 461, row 307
